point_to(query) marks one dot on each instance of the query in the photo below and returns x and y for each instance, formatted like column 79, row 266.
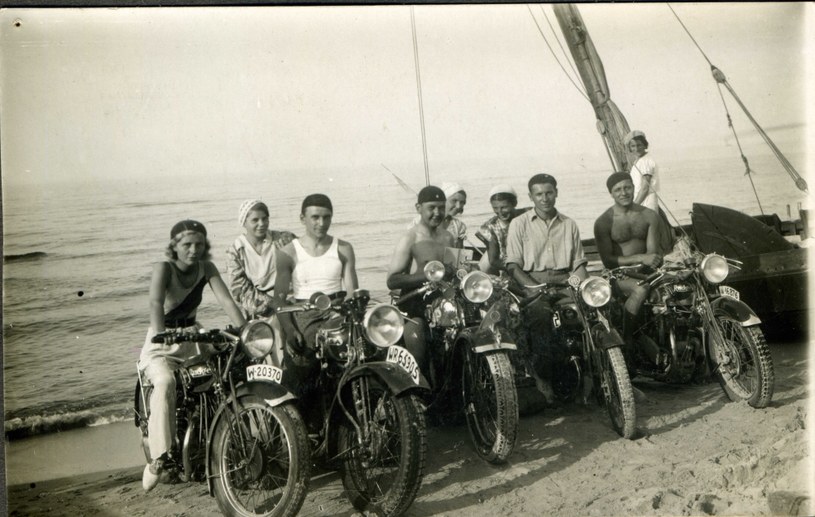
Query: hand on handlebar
column 296, row 342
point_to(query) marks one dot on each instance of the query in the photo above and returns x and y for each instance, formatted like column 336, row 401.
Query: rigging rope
column 419, row 91
column 720, row 79
column 553, row 54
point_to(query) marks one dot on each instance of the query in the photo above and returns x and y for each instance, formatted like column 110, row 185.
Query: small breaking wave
column 24, row 427
column 21, row 257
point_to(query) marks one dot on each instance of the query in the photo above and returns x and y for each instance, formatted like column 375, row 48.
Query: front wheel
column 260, row 460
column 618, row 395
column 741, row 362
column 490, row 404
column 383, row 450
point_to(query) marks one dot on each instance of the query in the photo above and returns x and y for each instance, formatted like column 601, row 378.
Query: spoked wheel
column 490, row 404
column 741, row 362
column 383, row 454
column 618, row 395
column 260, row 461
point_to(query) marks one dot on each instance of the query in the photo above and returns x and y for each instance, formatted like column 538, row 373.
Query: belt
column 333, row 296
column 181, row 323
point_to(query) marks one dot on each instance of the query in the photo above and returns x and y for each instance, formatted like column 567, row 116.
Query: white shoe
column 152, row 471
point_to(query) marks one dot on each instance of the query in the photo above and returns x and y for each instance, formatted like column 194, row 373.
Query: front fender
column 273, row 394
column 482, row 340
column 606, row 338
column 391, row 374
column 736, row 309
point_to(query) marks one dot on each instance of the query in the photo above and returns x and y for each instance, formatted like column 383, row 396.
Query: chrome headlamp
column 434, row 271
column 258, row 339
column 714, row 268
column 384, row 325
column 476, row 286
column 595, row 291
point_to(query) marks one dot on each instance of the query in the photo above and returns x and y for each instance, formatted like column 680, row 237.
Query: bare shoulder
column 210, row 270
column 447, row 238
column 344, row 247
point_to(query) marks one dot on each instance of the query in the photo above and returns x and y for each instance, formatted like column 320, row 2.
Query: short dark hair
column 538, row 179
column 320, row 200
column 642, row 140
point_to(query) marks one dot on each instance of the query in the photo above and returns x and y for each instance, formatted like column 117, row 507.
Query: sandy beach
column 696, row 454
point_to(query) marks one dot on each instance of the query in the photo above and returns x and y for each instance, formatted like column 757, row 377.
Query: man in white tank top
column 314, row 262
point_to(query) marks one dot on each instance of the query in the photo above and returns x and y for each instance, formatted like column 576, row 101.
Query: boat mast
column 611, row 123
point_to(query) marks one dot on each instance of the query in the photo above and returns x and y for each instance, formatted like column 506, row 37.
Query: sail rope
column 419, row 92
column 555, row 56
column 720, row 79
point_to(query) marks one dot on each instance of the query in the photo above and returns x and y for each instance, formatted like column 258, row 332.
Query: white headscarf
column 246, row 206
column 451, row 189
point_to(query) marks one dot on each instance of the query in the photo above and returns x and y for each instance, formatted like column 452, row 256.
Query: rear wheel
column 260, row 460
column 618, row 395
column 741, row 362
column 490, row 404
column 383, row 467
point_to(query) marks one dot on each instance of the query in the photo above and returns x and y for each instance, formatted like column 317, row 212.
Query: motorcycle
column 468, row 353
column 701, row 328
column 236, row 426
column 587, row 349
column 363, row 407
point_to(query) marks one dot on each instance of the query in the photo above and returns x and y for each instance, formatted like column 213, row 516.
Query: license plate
column 200, row 370
column 264, row 372
column 726, row 290
column 401, row 357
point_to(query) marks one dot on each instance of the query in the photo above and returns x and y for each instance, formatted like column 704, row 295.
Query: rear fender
column 273, row 394
column 736, row 309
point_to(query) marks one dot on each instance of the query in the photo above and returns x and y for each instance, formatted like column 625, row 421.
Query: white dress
column 646, row 166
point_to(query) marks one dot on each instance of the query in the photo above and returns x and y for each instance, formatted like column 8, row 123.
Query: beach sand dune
column 697, row 455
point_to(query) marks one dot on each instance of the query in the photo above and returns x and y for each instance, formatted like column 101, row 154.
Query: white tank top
column 313, row 274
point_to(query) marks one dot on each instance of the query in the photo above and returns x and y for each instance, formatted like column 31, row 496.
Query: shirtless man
column 628, row 234
column 315, row 262
column 422, row 243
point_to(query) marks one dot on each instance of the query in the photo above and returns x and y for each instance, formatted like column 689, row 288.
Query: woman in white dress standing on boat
column 645, row 176
column 644, row 172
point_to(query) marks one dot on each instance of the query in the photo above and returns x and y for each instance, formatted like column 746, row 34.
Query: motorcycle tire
column 490, row 404
column 747, row 371
column 272, row 482
column 382, row 470
column 617, row 392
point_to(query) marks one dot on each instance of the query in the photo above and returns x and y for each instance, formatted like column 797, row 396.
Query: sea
column 78, row 257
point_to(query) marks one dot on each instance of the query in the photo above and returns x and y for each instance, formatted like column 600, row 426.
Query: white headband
column 246, row 206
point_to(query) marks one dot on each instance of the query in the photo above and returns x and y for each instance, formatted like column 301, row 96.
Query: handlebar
column 202, row 336
column 412, row 294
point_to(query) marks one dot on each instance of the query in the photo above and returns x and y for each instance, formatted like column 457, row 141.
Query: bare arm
column 222, row 294
column 645, row 188
column 520, row 276
column 284, row 264
column 349, row 271
column 158, row 290
column 494, row 252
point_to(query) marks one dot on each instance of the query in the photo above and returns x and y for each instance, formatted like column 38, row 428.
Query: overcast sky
column 110, row 93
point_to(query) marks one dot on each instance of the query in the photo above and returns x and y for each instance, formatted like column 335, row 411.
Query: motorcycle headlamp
column 595, row 291
column 476, row 286
column 258, row 339
column 434, row 271
column 384, row 325
column 714, row 268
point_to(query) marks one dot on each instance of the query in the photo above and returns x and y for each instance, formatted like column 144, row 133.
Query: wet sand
column 696, row 454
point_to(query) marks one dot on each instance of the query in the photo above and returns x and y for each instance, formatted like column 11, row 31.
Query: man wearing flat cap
column 628, row 234
column 543, row 246
column 423, row 242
